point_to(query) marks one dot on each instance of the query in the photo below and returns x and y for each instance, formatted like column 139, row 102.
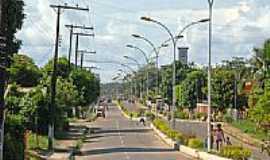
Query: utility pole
column 82, row 55
column 72, row 27
column 54, row 74
column 77, row 44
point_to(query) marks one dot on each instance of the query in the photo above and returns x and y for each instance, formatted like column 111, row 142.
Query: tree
column 12, row 20
column 63, row 69
column 191, row 89
column 223, row 88
column 87, row 84
column 23, row 71
column 261, row 112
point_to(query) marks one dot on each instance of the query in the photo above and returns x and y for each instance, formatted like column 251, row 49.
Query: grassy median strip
column 124, row 109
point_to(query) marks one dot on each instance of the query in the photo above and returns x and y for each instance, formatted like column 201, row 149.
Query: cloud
column 238, row 27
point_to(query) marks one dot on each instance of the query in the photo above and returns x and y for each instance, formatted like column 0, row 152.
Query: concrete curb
column 187, row 150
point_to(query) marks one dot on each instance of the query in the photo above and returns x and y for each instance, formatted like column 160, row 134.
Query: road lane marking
column 122, row 140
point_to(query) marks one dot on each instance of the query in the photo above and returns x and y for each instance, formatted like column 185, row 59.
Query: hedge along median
column 195, row 145
column 176, row 135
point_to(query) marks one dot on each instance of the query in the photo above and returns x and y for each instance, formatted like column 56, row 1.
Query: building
column 183, row 55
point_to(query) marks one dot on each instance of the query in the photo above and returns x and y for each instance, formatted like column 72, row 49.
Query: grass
column 37, row 142
column 125, row 110
column 250, row 128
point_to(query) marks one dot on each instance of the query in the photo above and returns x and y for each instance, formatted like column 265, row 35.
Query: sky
column 238, row 27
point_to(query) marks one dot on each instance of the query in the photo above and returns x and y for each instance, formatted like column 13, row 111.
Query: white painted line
column 121, row 140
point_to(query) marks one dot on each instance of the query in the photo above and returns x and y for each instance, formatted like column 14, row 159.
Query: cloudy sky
column 239, row 25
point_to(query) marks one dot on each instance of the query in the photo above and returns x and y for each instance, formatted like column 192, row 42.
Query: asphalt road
column 117, row 138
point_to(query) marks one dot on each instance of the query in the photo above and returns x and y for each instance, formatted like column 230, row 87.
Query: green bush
column 181, row 115
column 164, row 128
column 228, row 118
column 195, row 143
column 150, row 116
column 37, row 141
column 14, row 137
column 199, row 115
column 235, row 152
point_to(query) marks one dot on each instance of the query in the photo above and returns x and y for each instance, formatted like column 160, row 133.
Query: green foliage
column 23, row 71
column 228, row 118
column 181, row 115
column 195, row 143
column 150, row 116
column 165, row 128
column 14, row 137
column 223, row 88
column 261, row 112
column 63, row 69
column 191, row 89
column 36, row 141
column 251, row 128
column 87, row 85
column 235, row 152
column 12, row 17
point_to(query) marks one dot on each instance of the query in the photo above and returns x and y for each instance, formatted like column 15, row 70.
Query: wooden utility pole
column 82, row 55
column 72, row 27
column 54, row 74
column 77, row 44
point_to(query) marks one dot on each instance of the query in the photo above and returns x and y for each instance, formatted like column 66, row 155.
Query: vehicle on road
column 100, row 111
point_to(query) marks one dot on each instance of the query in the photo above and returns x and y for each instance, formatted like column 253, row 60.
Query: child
column 228, row 141
column 219, row 136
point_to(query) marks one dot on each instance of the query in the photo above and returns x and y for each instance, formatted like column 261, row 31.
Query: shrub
column 164, row 128
column 180, row 138
column 150, row 116
column 37, row 141
column 195, row 143
column 181, row 115
column 228, row 118
column 235, row 152
column 199, row 115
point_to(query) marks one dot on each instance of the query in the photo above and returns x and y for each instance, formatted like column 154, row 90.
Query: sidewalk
column 240, row 138
column 65, row 143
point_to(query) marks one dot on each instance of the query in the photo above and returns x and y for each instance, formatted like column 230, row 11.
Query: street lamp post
column 139, row 66
column 209, row 128
column 156, row 53
column 174, row 65
column 133, row 72
column 174, row 41
column 147, row 63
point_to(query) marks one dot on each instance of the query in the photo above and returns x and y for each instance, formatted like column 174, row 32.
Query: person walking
column 220, row 138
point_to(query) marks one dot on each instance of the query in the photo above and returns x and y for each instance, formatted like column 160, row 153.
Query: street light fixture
column 147, row 63
column 157, row 55
column 139, row 49
column 148, row 19
column 174, row 40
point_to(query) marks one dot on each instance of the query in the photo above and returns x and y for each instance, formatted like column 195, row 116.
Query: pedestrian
column 228, row 141
column 219, row 137
column 142, row 121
